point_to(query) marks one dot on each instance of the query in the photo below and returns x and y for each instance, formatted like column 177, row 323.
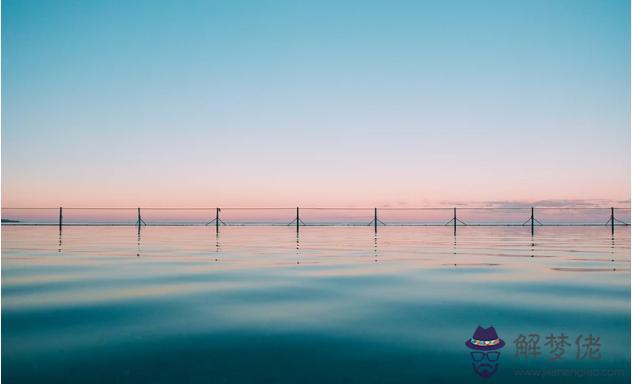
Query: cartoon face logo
column 485, row 344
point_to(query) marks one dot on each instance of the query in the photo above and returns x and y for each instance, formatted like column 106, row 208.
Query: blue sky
column 327, row 102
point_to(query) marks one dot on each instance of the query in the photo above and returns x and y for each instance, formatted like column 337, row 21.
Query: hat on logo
column 485, row 339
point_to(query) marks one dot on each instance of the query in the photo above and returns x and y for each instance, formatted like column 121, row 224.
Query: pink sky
column 524, row 103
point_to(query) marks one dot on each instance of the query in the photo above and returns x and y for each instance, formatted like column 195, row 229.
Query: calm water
column 103, row 304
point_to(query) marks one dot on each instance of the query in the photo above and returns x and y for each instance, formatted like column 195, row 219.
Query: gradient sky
column 184, row 103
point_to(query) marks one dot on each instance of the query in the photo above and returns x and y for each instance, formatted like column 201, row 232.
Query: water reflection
column 171, row 316
column 138, row 238
column 375, row 247
column 298, row 246
column 59, row 248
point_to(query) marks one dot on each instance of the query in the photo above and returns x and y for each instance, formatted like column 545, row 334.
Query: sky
column 323, row 103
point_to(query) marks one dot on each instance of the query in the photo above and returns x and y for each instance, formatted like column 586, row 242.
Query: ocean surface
column 327, row 305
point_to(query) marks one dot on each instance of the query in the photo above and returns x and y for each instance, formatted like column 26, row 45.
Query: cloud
column 556, row 203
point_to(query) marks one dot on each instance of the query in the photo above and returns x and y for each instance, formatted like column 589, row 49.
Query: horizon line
column 322, row 208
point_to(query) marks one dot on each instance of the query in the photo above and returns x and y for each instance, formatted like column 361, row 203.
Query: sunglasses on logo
column 479, row 356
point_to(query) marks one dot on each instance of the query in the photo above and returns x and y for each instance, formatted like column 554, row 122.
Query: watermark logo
column 485, row 345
